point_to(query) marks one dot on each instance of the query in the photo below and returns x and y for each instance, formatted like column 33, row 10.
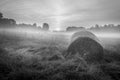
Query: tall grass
column 22, row 68
column 27, row 62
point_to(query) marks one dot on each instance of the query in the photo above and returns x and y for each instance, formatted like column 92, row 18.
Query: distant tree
column 7, row 22
column 105, row 25
column 35, row 24
column 96, row 26
column 118, row 25
column 12, row 22
column 45, row 26
column 1, row 15
column 74, row 28
column 111, row 25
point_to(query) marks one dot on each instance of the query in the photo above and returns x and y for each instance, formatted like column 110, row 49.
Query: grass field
column 39, row 55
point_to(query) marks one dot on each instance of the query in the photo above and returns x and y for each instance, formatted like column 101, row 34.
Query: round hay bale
column 3, row 52
column 85, row 48
column 84, row 34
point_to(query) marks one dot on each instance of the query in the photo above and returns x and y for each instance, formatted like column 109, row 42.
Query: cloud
column 61, row 13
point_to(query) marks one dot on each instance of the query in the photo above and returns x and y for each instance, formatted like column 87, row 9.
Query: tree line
column 106, row 27
column 6, row 22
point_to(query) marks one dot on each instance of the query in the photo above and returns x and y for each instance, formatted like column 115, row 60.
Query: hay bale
column 86, row 48
column 84, row 34
column 3, row 52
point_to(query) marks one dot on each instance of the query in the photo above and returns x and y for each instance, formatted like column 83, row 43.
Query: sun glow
column 58, row 29
column 59, row 15
column 59, row 20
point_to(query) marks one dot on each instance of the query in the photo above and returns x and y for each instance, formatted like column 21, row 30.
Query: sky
column 60, row 14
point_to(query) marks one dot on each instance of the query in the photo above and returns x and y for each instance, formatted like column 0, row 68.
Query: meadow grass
column 28, row 59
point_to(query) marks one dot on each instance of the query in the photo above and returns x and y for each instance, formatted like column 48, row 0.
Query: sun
column 58, row 29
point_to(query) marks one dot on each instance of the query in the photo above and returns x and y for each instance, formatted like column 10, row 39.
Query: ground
column 39, row 55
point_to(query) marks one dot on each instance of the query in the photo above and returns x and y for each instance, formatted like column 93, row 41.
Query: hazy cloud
column 61, row 13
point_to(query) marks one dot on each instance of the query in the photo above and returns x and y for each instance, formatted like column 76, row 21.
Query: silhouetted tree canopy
column 74, row 28
column 5, row 22
column 35, row 24
column 45, row 26
column 1, row 15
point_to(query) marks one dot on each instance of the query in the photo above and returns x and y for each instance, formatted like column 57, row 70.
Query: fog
column 105, row 37
column 107, row 34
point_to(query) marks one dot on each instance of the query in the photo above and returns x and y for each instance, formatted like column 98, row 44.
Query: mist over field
column 51, row 36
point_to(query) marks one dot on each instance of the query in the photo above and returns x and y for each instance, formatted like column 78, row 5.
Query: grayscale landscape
column 59, row 40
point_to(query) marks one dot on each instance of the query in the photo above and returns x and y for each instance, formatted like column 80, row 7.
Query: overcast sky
column 62, row 13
